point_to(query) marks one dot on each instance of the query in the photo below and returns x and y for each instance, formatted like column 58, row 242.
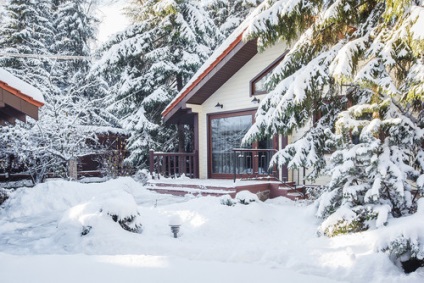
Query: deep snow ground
column 40, row 240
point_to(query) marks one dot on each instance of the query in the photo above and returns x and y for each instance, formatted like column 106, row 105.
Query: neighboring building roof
column 18, row 99
column 221, row 65
column 21, row 88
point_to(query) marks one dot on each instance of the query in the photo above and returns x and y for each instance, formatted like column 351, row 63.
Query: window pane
column 227, row 134
column 260, row 84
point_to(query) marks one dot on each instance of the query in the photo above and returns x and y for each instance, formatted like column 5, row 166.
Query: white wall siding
column 234, row 95
column 299, row 175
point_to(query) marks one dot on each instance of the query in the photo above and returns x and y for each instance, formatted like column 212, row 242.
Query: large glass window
column 227, row 134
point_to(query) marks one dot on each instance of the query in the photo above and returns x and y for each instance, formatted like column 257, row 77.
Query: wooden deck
column 198, row 187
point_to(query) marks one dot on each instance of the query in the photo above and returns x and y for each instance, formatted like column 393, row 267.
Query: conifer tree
column 27, row 30
column 147, row 65
column 360, row 64
column 74, row 26
column 74, row 106
column 229, row 14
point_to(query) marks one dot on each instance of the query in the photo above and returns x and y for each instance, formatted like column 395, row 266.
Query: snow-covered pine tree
column 74, row 106
column 149, row 62
column 360, row 63
column 229, row 14
column 27, row 30
column 75, row 111
column 74, row 24
column 74, row 29
column 2, row 12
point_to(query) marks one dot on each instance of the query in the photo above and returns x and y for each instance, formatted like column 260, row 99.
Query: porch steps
column 195, row 190
column 264, row 190
column 291, row 191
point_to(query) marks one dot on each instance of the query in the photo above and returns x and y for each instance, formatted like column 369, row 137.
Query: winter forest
column 355, row 69
column 120, row 87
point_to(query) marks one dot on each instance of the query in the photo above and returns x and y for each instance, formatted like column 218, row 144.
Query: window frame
column 263, row 73
column 229, row 114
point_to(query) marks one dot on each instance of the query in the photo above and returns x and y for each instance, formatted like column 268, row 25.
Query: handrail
column 173, row 164
column 256, row 165
column 255, row 149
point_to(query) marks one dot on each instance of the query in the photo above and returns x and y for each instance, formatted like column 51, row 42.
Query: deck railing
column 254, row 163
column 173, row 164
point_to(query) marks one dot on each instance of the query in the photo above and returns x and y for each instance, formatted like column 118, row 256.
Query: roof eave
column 21, row 95
column 240, row 51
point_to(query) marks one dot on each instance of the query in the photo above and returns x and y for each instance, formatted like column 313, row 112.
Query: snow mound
column 246, row 197
column 106, row 214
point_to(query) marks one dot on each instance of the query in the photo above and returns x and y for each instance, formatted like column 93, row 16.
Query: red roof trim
column 203, row 75
column 21, row 95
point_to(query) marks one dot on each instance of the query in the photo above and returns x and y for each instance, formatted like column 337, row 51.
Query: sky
column 112, row 19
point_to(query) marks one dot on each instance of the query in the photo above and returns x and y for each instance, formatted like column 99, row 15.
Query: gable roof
column 225, row 61
column 18, row 99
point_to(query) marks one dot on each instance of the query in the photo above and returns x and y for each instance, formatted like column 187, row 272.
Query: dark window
column 226, row 132
column 258, row 83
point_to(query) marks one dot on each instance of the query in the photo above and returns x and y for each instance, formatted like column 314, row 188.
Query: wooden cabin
column 18, row 99
column 219, row 103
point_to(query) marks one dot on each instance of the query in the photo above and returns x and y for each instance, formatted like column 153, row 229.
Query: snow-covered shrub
column 246, row 197
column 243, row 197
column 3, row 195
column 346, row 220
column 128, row 223
column 314, row 192
column 228, row 200
column 102, row 214
column 142, row 176
column 404, row 242
column 405, row 249
column 113, row 165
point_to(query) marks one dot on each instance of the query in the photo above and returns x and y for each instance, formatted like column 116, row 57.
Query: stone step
column 181, row 191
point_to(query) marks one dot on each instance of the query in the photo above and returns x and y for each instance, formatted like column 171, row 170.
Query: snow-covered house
column 18, row 99
column 220, row 103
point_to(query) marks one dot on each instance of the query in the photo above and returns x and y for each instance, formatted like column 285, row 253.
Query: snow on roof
column 215, row 58
column 21, row 86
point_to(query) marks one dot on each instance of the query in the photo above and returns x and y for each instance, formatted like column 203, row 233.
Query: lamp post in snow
column 175, row 224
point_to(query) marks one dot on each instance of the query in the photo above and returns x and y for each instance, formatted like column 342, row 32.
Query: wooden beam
column 19, row 94
column 13, row 113
column 19, row 104
column 6, row 118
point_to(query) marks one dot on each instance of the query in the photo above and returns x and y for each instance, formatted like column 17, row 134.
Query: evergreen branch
column 403, row 111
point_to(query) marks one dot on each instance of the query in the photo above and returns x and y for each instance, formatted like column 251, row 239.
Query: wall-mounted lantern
column 219, row 105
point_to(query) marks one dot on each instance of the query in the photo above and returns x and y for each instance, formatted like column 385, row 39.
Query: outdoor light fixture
column 255, row 100
column 175, row 229
column 219, row 105
column 175, row 224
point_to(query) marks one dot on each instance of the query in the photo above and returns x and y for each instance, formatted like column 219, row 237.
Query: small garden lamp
column 175, row 224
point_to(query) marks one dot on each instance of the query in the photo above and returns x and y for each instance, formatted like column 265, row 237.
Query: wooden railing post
column 173, row 164
column 196, row 164
column 152, row 162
